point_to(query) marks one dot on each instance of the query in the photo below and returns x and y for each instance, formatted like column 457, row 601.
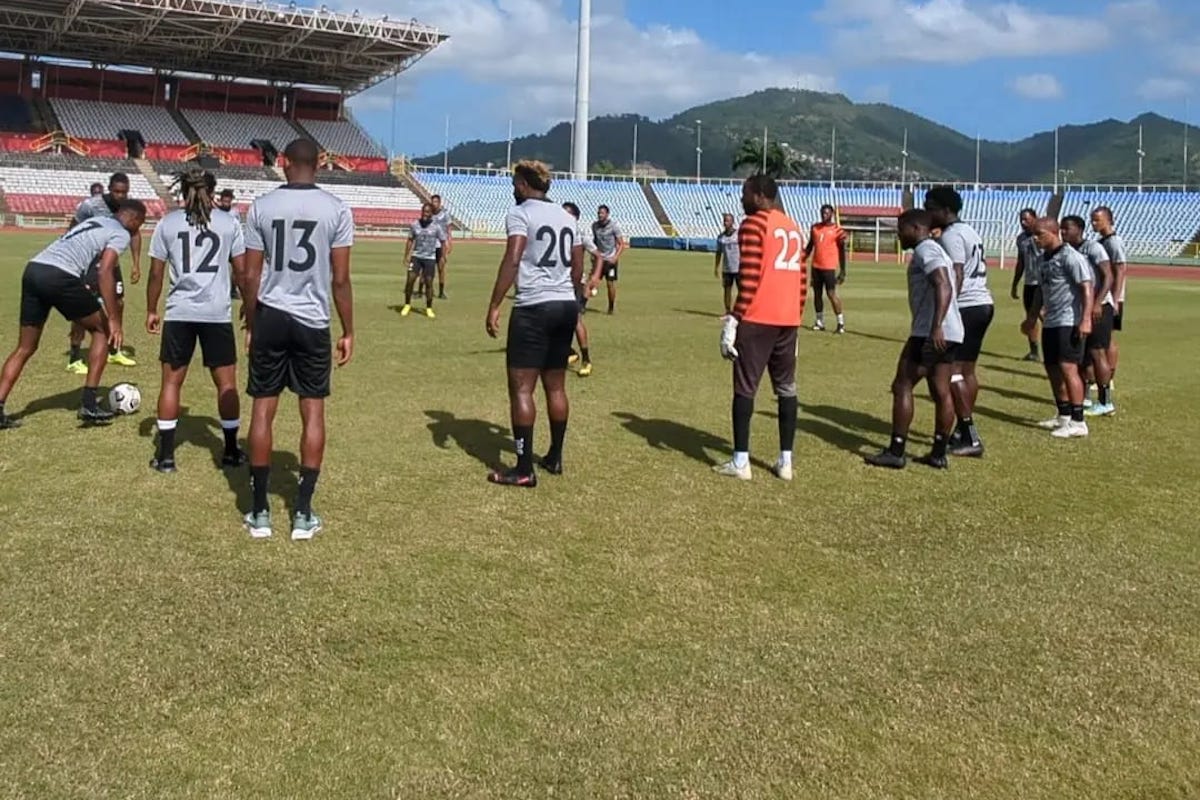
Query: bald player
column 1065, row 293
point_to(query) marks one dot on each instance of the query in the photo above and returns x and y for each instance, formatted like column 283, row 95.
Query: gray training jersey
column 963, row 245
column 606, row 237
column 426, row 240
column 77, row 250
column 1065, row 276
column 1114, row 245
column 1096, row 255
column 1031, row 256
column 544, row 274
column 199, row 264
column 295, row 227
column 727, row 244
column 443, row 220
column 926, row 259
column 93, row 208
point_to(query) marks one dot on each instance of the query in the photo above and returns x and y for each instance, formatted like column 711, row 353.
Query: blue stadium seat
column 1153, row 224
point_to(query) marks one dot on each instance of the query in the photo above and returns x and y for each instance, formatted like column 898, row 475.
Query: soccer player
column 962, row 243
column 1095, row 358
column 199, row 242
column 95, row 189
column 827, row 246
column 425, row 241
column 759, row 335
column 444, row 221
column 1114, row 245
column 298, row 240
column 727, row 257
column 611, row 242
column 545, row 260
column 1065, row 292
column 1028, row 257
column 54, row 279
column 225, row 203
column 99, row 206
column 929, row 353
column 586, row 289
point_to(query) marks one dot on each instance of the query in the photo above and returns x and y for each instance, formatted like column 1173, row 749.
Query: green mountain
column 869, row 138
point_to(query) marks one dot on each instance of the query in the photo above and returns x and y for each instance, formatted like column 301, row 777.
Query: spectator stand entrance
column 224, row 84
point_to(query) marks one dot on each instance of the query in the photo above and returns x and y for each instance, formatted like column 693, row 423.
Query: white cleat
column 1054, row 423
column 731, row 470
column 1072, row 430
column 782, row 471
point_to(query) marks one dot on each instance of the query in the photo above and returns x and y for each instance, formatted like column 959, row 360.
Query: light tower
column 583, row 66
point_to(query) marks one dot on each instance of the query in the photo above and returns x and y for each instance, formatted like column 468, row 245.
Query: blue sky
column 1000, row 69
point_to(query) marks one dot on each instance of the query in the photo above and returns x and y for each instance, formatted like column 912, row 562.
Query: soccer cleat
column 574, row 357
column 552, row 465
column 258, row 525
column 955, row 440
column 968, row 450
column 235, row 459
column 8, row 423
column 120, row 359
column 1072, row 430
column 1098, row 410
column 1033, row 357
column 585, row 369
column 819, row 326
column 937, row 462
column 782, row 471
column 840, row 329
column 1087, row 401
column 305, row 526
column 886, row 458
column 513, row 477
column 166, row 465
column 429, row 313
column 442, row 296
column 1054, row 423
column 732, row 470
column 406, row 310
column 94, row 416
column 77, row 368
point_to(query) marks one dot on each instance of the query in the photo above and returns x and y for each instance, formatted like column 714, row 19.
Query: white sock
column 820, row 317
column 167, row 424
column 841, row 319
column 785, row 457
column 741, row 460
column 230, row 424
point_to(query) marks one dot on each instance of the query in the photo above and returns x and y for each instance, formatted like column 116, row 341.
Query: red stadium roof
column 241, row 39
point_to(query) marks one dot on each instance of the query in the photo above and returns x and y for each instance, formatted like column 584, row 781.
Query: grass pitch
column 1025, row 626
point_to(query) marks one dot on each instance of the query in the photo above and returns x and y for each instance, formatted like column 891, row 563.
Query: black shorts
column 92, row 279
column 423, row 267
column 44, row 287
column 611, row 270
column 920, row 350
column 285, row 354
column 1119, row 317
column 539, row 336
column 765, row 348
column 438, row 255
column 976, row 320
column 1027, row 296
column 1101, row 336
column 824, row 278
column 729, row 279
column 1062, row 345
column 218, row 347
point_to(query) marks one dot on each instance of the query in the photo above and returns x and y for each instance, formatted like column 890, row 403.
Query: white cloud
column 954, row 31
column 1164, row 89
column 526, row 50
column 1038, row 86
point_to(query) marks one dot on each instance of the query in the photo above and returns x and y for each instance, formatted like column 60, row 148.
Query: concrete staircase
column 1055, row 205
column 656, row 206
column 184, row 125
column 147, row 169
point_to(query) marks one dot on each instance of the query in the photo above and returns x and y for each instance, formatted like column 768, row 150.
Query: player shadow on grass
column 482, row 440
column 698, row 313
column 666, row 434
column 1037, row 373
column 69, row 400
column 205, row 433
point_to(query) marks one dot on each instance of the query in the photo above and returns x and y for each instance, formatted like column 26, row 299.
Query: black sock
column 1064, row 408
column 558, row 432
column 259, row 477
column 587, row 358
column 112, row 351
column 939, row 445
column 1, row 408
column 523, row 439
column 89, row 397
column 743, row 411
column 230, row 440
column 1105, row 394
column 788, row 408
column 308, row 485
column 1033, row 348
column 76, row 354
column 1077, row 413
column 898, row 445
column 441, row 288
column 969, row 434
column 166, row 444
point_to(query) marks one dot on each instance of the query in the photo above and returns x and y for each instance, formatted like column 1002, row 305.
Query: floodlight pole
column 583, row 66
column 446, row 151
column 508, row 162
column 1141, row 154
column 633, row 164
column 903, row 162
column 698, row 151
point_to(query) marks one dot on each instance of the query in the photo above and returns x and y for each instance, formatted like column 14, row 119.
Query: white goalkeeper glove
column 728, row 337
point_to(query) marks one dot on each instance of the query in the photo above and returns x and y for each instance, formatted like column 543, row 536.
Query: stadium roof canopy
column 238, row 39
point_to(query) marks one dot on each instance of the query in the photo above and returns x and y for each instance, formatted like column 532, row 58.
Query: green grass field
column 1025, row 626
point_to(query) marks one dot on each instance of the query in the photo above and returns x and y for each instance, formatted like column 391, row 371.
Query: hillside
column 869, row 137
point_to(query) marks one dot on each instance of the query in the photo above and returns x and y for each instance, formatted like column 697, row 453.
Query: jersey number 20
column 558, row 246
column 786, row 239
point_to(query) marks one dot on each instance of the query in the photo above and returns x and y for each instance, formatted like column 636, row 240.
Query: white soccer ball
column 124, row 398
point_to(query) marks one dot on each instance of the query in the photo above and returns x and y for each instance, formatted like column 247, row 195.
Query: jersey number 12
column 208, row 259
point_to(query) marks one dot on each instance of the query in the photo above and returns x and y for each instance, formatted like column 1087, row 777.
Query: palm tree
column 777, row 163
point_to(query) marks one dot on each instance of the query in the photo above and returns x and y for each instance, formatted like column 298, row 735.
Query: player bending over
column 302, row 235
column 607, row 235
column 827, row 246
column 425, row 240
column 54, row 279
column 1065, row 292
column 544, row 259
column 759, row 335
column 1028, row 257
column 1095, row 355
column 200, row 243
column 930, row 352
column 585, row 290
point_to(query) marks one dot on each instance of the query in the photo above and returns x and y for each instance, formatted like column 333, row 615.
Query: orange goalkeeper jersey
column 772, row 283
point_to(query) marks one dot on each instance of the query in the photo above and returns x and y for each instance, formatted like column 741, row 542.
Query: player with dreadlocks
column 200, row 243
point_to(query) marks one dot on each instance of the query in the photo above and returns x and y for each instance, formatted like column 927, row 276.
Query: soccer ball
column 124, row 398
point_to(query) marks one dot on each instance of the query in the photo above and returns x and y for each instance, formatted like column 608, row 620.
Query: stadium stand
column 57, row 192
column 1153, row 224
column 15, row 114
column 94, row 120
column 226, row 129
column 995, row 214
column 341, row 137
